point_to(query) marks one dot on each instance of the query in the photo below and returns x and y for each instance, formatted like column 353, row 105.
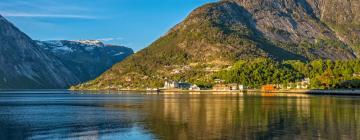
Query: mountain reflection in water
column 174, row 116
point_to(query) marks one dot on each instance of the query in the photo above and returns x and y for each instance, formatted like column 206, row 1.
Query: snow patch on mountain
column 95, row 43
column 120, row 53
column 63, row 49
column 56, row 46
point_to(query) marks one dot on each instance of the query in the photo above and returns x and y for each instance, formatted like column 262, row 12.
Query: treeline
column 324, row 74
column 327, row 74
column 258, row 72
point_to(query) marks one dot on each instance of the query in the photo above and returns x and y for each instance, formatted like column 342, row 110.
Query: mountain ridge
column 87, row 59
column 29, row 64
column 341, row 17
column 216, row 35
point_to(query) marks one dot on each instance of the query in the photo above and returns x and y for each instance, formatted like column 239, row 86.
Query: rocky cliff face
column 87, row 59
column 309, row 20
column 215, row 35
column 23, row 65
column 28, row 64
column 344, row 18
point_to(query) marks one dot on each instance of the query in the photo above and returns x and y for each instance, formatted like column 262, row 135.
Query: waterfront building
column 268, row 87
column 184, row 85
column 194, row 87
column 226, row 87
column 221, row 87
column 171, row 84
column 241, row 87
column 233, row 86
column 176, row 85
column 303, row 84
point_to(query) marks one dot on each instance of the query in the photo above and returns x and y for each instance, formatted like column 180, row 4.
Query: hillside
column 297, row 21
column 87, row 59
column 343, row 17
column 23, row 65
column 29, row 64
column 216, row 35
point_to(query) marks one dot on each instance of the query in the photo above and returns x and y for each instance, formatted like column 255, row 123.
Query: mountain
column 23, row 65
column 29, row 64
column 87, row 59
column 342, row 17
column 297, row 21
column 216, row 35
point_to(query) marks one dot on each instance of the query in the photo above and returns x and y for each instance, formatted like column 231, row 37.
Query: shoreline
column 316, row 91
column 305, row 91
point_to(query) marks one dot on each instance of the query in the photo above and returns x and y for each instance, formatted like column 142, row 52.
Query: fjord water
column 66, row 115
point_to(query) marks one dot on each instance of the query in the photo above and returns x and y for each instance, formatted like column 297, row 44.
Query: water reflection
column 270, row 116
column 174, row 116
column 69, row 116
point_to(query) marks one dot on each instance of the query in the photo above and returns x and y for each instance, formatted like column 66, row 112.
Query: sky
column 133, row 23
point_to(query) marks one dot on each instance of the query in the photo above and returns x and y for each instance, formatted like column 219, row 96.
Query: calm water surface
column 138, row 116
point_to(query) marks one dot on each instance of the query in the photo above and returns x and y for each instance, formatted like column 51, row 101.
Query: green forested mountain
column 215, row 36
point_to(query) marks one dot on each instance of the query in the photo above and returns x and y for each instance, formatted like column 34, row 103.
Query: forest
column 323, row 74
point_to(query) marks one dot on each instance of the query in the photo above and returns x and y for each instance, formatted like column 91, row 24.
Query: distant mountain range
column 87, row 59
column 216, row 35
column 29, row 64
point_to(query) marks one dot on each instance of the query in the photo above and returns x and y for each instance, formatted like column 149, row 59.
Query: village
column 222, row 86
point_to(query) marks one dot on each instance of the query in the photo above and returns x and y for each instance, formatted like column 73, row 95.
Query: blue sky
column 134, row 23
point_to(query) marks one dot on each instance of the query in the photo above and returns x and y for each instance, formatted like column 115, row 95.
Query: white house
column 241, row 87
column 171, row 84
column 194, row 87
column 303, row 84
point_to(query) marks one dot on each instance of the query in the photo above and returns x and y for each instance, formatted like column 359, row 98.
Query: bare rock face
column 293, row 25
column 343, row 17
column 23, row 65
column 28, row 64
column 87, row 59
column 338, row 11
column 296, row 21
column 286, row 20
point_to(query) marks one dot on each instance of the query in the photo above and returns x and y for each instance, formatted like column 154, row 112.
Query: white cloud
column 110, row 39
column 44, row 9
column 34, row 15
